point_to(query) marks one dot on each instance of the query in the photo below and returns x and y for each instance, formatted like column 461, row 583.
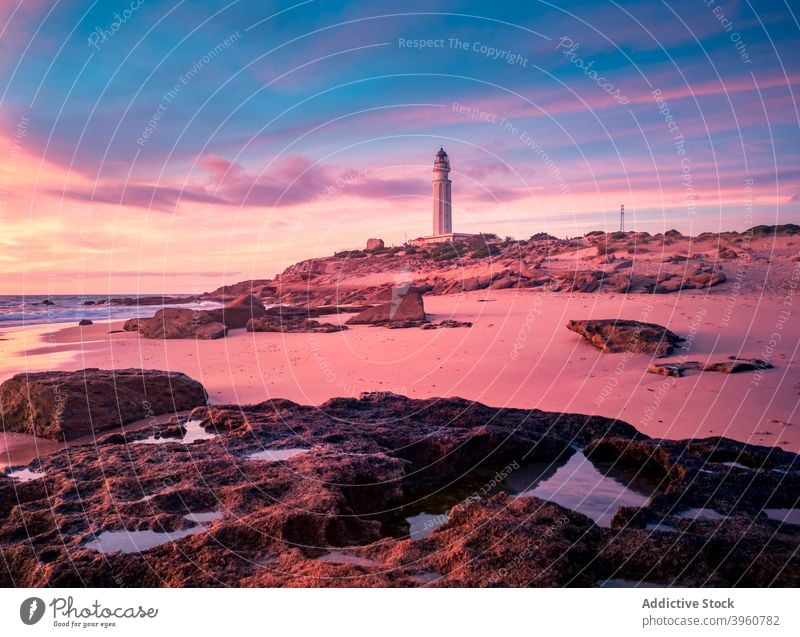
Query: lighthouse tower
column 442, row 196
column 442, row 206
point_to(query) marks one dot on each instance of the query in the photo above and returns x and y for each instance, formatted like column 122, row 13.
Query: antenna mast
column 622, row 218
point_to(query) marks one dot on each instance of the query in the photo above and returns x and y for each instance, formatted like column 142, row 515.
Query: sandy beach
column 517, row 354
column 327, row 295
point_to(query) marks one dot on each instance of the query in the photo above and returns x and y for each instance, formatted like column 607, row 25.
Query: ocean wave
column 29, row 310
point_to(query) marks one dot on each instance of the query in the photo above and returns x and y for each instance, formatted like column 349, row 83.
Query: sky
column 150, row 147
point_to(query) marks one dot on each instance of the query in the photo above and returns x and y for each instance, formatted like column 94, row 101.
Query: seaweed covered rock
column 622, row 335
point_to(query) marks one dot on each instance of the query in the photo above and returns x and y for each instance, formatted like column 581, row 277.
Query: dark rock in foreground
column 369, row 464
column 68, row 405
column 404, row 308
column 620, row 335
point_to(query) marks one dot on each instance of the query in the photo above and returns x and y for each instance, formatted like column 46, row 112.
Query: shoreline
column 28, row 315
column 517, row 354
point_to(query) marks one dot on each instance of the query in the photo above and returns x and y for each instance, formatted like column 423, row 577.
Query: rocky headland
column 618, row 262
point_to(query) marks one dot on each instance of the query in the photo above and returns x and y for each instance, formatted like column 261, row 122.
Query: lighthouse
column 442, row 205
column 442, row 195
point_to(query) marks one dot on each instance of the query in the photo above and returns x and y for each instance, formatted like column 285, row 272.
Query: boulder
column 696, row 281
column 408, row 307
column 471, row 284
column 676, row 258
column 580, row 280
column 84, row 322
column 503, row 283
column 374, row 244
column 446, row 323
column 181, row 323
column 391, row 292
column 733, row 365
column 238, row 312
column 397, row 325
column 703, row 280
column 671, row 369
column 621, row 335
column 669, row 284
column 631, row 282
column 293, row 324
column 68, row 405
column 247, row 301
column 523, row 270
column 131, row 325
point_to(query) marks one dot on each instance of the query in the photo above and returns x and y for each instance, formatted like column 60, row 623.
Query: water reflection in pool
column 427, row 577
column 660, row 526
column 595, row 489
column 736, row 465
column 339, row 557
column 423, row 524
column 424, row 515
column 277, row 455
column 787, row 516
column 194, row 431
column 24, row 474
column 136, row 541
column 702, row 513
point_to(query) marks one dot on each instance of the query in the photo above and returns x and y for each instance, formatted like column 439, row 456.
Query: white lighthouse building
column 442, row 204
column 442, row 195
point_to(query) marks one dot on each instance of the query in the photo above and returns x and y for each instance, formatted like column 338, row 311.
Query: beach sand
column 518, row 353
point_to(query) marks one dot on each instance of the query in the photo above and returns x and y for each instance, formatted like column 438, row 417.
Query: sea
column 29, row 310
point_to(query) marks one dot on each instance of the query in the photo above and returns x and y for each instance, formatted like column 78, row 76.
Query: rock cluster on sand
column 239, row 311
column 617, row 262
column 446, row 323
column 370, row 463
column 201, row 324
column 291, row 324
column 245, row 311
column 178, row 323
column 405, row 310
column 733, row 365
column 68, row 405
column 621, row 335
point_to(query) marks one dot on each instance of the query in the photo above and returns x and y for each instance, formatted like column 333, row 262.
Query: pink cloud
column 291, row 181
